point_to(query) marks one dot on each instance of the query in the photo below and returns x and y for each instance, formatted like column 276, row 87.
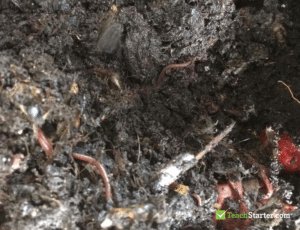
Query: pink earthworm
column 42, row 139
column 174, row 66
column 197, row 198
column 101, row 170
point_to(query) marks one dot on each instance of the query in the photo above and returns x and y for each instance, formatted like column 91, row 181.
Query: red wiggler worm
column 197, row 198
column 101, row 170
column 174, row 66
column 42, row 139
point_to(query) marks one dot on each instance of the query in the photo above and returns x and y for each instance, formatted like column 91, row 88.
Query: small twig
column 22, row 108
column 290, row 91
column 182, row 163
column 101, row 170
column 26, row 145
column 139, row 149
column 44, row 117
column 215, row 141
column 247, row 139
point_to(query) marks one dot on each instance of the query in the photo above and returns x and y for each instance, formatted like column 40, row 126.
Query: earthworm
column 101, row 170
column 174, row 66
column 197, row 198
column 269, row 186
column 42, row 139
column 263, row 175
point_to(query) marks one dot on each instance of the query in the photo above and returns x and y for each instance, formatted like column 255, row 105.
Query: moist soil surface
column 89, row 77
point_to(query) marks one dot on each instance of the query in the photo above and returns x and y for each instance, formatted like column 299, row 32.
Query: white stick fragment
column 170, row 174
column 106, row 223
column 182, row 163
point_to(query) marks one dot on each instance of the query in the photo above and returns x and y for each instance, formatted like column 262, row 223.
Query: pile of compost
column 159, row 114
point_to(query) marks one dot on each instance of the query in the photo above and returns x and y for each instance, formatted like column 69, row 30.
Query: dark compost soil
column 88, row 76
